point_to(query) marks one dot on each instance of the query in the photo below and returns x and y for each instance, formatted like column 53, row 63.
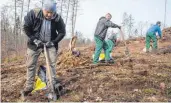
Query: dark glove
column 49, row 44
column 119, row 27
column 38, row 43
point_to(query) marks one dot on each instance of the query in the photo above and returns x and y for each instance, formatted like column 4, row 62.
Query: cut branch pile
column 167, row 34
column 67, row 60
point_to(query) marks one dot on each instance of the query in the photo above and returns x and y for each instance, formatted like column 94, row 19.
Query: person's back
column 101, row 29
column 102, row 26
column 100, row 34
column 151, row 35
column 153, row 29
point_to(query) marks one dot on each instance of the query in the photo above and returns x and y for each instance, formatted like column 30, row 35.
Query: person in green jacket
column 151, row 35
column 100, row 34
column 111, row 42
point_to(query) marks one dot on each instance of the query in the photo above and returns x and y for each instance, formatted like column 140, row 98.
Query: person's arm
column 61, row 31
column 159, row 32
column 28, row 24
column 111, row 24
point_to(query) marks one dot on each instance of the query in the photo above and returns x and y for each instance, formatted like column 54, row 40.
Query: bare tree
column 15, row 31
column 165, row 13
column 141, row 27
column 4, row 32
column 125, row 22
column 125, row 19
column 67, row 12
column 22, row 7
column 76, row 9
column 130, row 25
column 13, row 39
column 28, row 6
column 72, row 17
column 42, row 2
column 74, row 14
column 7, row 40
column 62, row 1
column 136, row 32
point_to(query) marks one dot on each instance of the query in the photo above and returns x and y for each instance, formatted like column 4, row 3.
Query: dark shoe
column 58, row 89
column 26, row 91
column 102, row 61
column 57, row 81
column 94, row 64
column 57, row 93
column 111, row 61
column 154, row 50
column 147, row 51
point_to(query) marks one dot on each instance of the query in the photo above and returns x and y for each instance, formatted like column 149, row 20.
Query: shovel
column 127, row 52
column 49, row 73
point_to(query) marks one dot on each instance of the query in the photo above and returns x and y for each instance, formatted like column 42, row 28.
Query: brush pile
column 68, row 60
column 166, row 34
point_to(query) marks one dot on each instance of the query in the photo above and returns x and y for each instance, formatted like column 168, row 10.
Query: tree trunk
column 15, row 35
column 72, row 18
column 67, row 12
column 28, row 5
column 165, row 13
column 62, row 7
column 75, row 18
column 22, row 6
column 5, row 34
column 42, row 3
column 23, row 40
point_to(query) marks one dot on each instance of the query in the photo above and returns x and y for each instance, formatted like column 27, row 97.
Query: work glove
column 160, row 37
column 38, row 43
column 119, row 27
column 49, row 44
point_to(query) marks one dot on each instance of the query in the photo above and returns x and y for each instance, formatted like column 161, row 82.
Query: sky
column 141, row 10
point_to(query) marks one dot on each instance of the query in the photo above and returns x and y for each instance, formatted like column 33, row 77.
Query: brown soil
column 135, row 78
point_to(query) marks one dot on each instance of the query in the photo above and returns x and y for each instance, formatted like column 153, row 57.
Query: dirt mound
column 12, row 82
column 166, row 34
column 167, row 31
column 39, row 96
column 133, row 79
column 130, row 80
column 164, row 50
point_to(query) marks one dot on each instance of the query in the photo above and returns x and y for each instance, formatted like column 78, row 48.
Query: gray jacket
column 102, row 27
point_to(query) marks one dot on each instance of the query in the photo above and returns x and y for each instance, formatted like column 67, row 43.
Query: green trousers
column 99, row 46
column 110, row 45
column 149, row 37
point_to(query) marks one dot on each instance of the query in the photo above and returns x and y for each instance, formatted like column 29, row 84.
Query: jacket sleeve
column 159, row 31
column 28, row 24
column 61, row 31
column 111, row 24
